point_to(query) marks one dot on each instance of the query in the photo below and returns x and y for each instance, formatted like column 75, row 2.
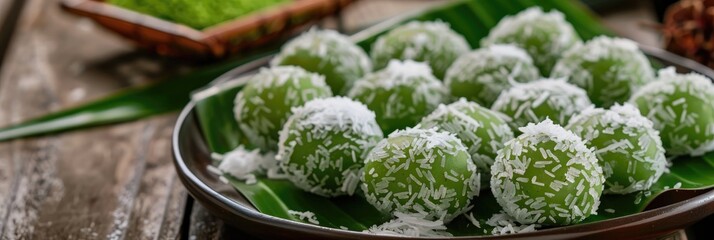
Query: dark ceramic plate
column 671, row 211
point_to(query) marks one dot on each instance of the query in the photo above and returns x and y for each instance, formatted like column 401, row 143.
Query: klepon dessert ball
column 544, row 35
column 327, row 53
column 431, row 42
column 420, row 171
column 324, row 144
column 547, row 176
column 481, row 130
column 681, row 106
column 400, row 95
column 264, row 104
column 627, row 146
column 481, row 75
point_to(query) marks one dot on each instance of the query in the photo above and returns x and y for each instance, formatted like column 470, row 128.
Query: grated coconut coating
column 400, row 95
column 432, row 42
column 481, row 130
column 547, row 176
column 264, row 104
column 324, row 143
column 420, row 171
column 536, row 101
column 328, row 53
column 544, row 35
column 627, row 146
column 609, row 69
column 481, row 75
column 681, row 106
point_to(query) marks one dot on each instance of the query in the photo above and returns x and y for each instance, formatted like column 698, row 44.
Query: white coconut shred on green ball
column 544, row 35
column 681, row 106
column 263, row 105
column 609, row 69
column 627, row 146
column 420, row 171
column 483, row 74
column 536, row 101
column 481, row 130
column 432, row 42
column 323, row 145
column 328, row 53
column 548, row 176
column 401, row 94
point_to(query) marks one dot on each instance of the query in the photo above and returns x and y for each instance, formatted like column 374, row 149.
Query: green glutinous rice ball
column 420, row 171
column 324, row 143
column 547, row 176
column 481, row 75
column 431, row 42
column 263, row 106
column 328, row 53
column 545, row 36
column 609, row 69
column 627, row 146
column 401, row 94
column 681, row 106
column 482, row 131
column 535, row 101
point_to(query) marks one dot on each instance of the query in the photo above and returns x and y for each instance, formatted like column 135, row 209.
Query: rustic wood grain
column 114, row 182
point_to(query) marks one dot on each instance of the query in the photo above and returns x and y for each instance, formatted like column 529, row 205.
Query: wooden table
column 116, row 181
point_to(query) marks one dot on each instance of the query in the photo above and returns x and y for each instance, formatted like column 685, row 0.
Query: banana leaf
column 165, row 96
column 472, row 19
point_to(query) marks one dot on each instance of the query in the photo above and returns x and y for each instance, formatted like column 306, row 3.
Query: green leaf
column 473, row 19
column 277, row 197
column 169, row 95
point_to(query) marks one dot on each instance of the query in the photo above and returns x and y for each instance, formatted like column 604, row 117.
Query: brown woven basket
column 225, row 39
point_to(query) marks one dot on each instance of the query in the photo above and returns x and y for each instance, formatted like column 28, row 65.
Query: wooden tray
column 225, row 39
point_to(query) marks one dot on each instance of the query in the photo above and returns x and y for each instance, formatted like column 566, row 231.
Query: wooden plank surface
column 113, row 182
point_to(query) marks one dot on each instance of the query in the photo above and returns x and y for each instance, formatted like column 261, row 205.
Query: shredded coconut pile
column 504, row 224
column 410, row 225
column 681, row 106
column 243, row 164
column 345, row 131
column 306, row 216
column 551, row 98
column 333, row 49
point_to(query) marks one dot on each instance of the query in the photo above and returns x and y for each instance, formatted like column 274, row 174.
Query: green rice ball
column 481, row 75
column 400, row 95
column 545, row 36
column 547, row 176
column 681, row 106
column 420, row 171
column 482, row 131
column 324, row 143
column 627, row 146
column 609, row 69
column 264, row 104
column 536, row 101
column 328, row 53
column 431, row 42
